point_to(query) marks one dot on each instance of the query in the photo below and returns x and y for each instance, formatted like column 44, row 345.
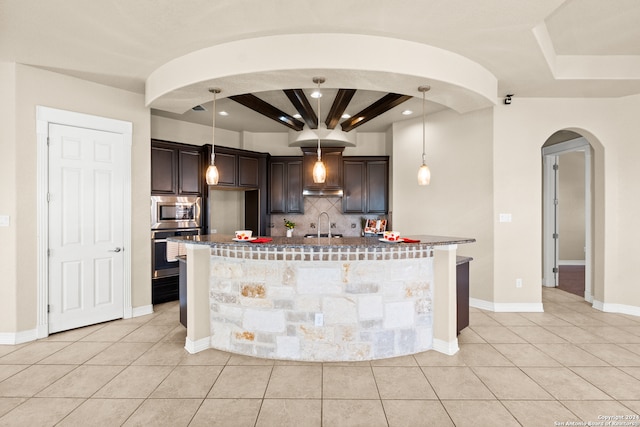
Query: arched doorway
column 568, row 212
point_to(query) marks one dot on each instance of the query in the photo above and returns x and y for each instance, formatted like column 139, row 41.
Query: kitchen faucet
column 328, row 223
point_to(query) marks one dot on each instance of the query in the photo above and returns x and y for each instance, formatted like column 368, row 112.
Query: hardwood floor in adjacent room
column 571, row 279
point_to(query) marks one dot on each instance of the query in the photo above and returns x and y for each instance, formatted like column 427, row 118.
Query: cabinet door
column 353, row 200
column 295, row 201
column 247, row 171
column 189, row 172
column 277, row 188
column 377, row 186
column 333, row 163
column 163, row 167
column 226, row 164
column 332, row 159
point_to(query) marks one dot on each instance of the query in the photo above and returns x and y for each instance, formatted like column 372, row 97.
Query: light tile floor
column 570, row 363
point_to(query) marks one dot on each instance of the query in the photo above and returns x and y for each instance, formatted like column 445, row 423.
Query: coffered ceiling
column 542, row 48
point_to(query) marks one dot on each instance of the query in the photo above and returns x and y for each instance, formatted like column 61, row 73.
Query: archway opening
column 572, row 162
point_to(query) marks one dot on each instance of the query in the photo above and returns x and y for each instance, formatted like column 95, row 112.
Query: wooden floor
column 571, row 279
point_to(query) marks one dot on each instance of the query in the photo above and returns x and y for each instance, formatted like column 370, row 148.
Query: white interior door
column 86, row 224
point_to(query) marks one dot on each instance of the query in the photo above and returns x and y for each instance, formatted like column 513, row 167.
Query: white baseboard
column 507, row 307
column 572, row 262
column 13, row 338
column 616, row 308
column 143, row 310
column 447, row 347
column 197, row 346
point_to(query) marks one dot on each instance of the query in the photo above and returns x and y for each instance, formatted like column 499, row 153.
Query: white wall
column 458, row 201
column 34, row 87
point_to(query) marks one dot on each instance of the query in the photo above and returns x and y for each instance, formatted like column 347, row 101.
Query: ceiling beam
column 268, row 110
column 301, row 103
column 382, row 105
column 340, row 104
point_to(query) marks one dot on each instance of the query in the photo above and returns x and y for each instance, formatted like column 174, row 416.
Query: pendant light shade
column 212, row 175
column 319, row 170
column 424, row 174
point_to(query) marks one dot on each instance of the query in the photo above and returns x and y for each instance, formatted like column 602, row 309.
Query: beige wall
column 8, row 196
column 458, row 201
column 35, row 87
column 520, row 130
column 275, row 143
column 571, row 206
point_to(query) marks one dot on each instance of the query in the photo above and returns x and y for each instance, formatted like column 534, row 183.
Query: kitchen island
column 321, row 299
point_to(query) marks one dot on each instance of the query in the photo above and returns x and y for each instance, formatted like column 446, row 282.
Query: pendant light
column 212, row 171
column 424, row 174
column 319, row 170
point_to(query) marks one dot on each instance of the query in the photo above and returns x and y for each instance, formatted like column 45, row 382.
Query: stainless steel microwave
column 172, row 212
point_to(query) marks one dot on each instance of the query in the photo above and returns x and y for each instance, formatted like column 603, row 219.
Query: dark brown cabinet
column 285, row 190
column 237, row 169
column 366, row 185
column 332, row 158
column 176, row 169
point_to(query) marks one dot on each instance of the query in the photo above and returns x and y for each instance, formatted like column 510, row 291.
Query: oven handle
column 159, row 240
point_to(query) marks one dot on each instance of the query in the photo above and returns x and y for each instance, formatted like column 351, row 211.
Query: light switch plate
column 4, row 220
column 505, row 217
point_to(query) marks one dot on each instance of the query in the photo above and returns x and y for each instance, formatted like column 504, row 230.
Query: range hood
column 323, row 193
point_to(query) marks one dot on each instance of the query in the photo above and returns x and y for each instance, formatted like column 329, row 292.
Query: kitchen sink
column 322, row 235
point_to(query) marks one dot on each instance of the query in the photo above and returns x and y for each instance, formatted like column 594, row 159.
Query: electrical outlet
column 4, row 220
column 214, row 231
column 518, row 283
column 319, row 320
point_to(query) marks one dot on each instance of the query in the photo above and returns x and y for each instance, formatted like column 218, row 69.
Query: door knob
column 115, row 250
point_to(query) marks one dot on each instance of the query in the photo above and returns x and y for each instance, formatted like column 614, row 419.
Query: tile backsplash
column 347, row 225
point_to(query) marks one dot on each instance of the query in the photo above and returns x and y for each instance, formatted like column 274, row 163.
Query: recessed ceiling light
column 346, row 116
column 223, row 113
column 407, row 112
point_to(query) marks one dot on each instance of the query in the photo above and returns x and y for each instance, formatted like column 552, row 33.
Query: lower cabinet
column 182, row 289
column 462, row 292
column 164, row 289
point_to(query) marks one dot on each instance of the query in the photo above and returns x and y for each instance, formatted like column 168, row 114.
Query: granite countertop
column 308, row 242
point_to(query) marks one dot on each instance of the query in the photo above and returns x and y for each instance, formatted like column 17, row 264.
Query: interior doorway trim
column 45, row 116
column 549, row 155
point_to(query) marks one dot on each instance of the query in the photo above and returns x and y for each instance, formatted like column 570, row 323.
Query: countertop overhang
column 217, row 240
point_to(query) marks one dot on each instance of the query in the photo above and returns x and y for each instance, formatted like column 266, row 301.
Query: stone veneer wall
column 374, row 303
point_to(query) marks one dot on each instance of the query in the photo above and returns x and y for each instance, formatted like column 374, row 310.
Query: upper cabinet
column 285, row 189
column 366, row 185
column 238, row 168
column 176, row 169
column 332, row 158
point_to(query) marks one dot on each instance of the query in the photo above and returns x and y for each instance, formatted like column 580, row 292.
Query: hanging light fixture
column 212, row 171
column 319, row 170
column 424, row 174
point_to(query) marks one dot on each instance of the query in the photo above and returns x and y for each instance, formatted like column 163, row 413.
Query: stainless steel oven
column 175, row 212
column 162, row 266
